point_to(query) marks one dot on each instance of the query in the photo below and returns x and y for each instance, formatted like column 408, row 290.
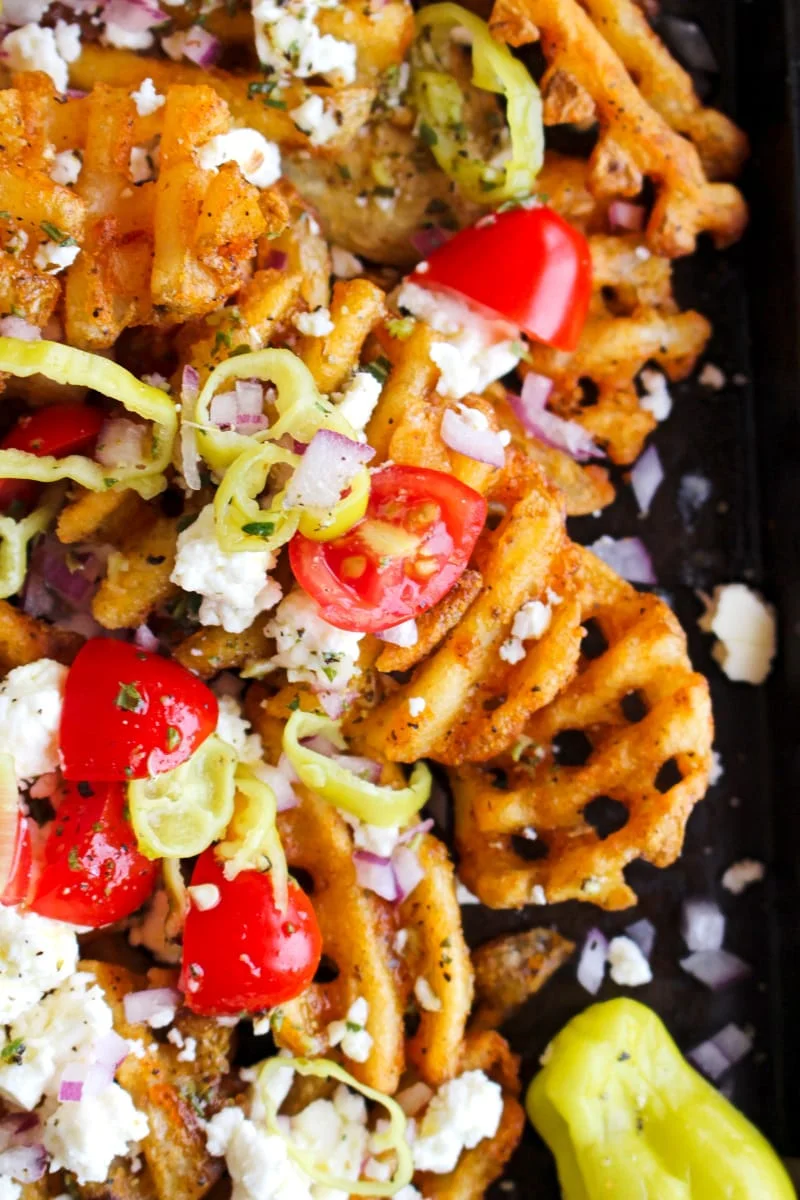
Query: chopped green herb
column 13, row 1052
column 379, row 368
column 427, row 134
column 223, row 338
column 73, row 860
column 57, row 235
column 401, row 327
column 173, row 737
column 128, row 697
column 263, row 529
column 344, row 171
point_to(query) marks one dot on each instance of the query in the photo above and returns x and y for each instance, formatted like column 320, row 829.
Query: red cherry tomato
column 58, row 430
column 20, row 869
column 91, row 871
column 128, row 714
column 413, row 544
column 243, row 955
column 528, row 266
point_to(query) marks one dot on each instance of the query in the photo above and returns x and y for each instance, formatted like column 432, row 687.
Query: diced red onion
column 140, row 1006
column 425, row 241
column 643, row 933
column 278, row 260
column 250, row 406
column 647, row 476
column 228, row 684
column 327, row 469
column 198, row 45
column 376, row 874
column 222, row 410
column 405, row 634
column 629, row 557
column 190, row 458
column 718, row 1054
column 20, row 1129
column 134, row 16
column 715, row 968
column 624, row 215
column 408, row 871
column 702, row 925
column 482, row 445
column 85, row 624
column 364, row 768
column 592, row 963
column 120, row 443
column 190, row 381
column 333, row 703
column 319, row 744
column 62, row 573
column 145, row 639
column 24, row 1163
column 536, row 419
column 413, row 1099
column 76, row 93
column 421, row 827
column 689, row 42
column 281, row 785
column 17, row 327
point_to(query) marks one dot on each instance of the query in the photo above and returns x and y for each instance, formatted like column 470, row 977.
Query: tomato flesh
column 128, row 713
column 413, row 544
column 19, row 876
column 528, row 266
column 91, row 872
column 58, row 430
column 243, row 955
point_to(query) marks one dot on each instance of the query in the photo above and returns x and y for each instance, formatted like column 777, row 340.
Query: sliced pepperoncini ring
column 325, row 526
column 252, row 842
column 16, row 536
column 63, row 364
column 370, row 802
column 439, row 101
column 241, row 524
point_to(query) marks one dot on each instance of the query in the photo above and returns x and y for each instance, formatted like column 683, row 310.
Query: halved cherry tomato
column 58, row 430
column 91, row 871
column 243, row 955
column 128, row 713
column 18, row 884
column 527, row 265
column 414, row 543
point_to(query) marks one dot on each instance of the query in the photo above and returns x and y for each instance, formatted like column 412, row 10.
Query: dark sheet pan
column 745, row 440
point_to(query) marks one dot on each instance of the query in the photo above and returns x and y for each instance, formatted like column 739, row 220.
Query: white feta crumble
column 741, row 874
column 416, row 705
column 235, row 587
column 237, row 731
column 358, row 399
column 257, row 159
column 477, row 350
column 314, row 324
column 308, row 648
column 17, row 242
column 11, row 1190
column 54, row 258
column 463, row 1112
column 141, row 166
column 31, row 699
column 36, row 955
column 85, row 1136
column 530, row 622
column 712, row 377
column 381, row 840
column 204, row 896
column 316, row 121
column 289, row 40
column 628, row 966
column 425, row 995
column 127, row 39
column 189, row 1051
column 147, row 99
column 717, row 769
column 657, row 399
column 538, row 895
column 351, row 1033
column 345, row 265
column 156, row 929
column 34, row 48
column 744, row 625
column 66, row 168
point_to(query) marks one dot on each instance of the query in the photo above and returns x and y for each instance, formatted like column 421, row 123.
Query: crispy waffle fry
column 138, row 576
column 24, row 639
column 512, row 968
column 105, row 516
column 356, row 308
column 655, row 767
column 211, row 649
column 635, row 142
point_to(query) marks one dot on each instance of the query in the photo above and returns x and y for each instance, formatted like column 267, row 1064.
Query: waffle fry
column 25, row 639
column 635, row 142
column 511, row 969
column 210, row 649
column 138, row 576
column 656, row 768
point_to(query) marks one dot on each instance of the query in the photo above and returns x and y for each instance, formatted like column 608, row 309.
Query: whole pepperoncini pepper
column 628, row 1118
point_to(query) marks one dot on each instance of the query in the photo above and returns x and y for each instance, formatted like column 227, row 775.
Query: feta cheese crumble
column 316, row 121
column 308, row 648
column 416, row 705
column 628, row 966
column 237, row 731
column 147, row 99
column 345, row 265
column 141, row 165
column 66, row 168
column 235, row 587
column 474, row 352
column 351, row 1033
column 741, row 875
column 314, row 324
column 464, row 1112
column 34, row 48
column 31, row 699
column 204, row 896
column 530, row 622
column 744, row 625
column 657, row 399
column 358, row 399
column 127, row 39
column 289, row 40
column 36, row 955
column 257, row 159
column 54, row 258
column 86, row 1135
column 426, row 996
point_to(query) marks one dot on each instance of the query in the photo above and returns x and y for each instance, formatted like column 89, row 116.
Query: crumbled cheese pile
column 744, row 625
column 289, row 41
column 311, row 650
column 31, row 699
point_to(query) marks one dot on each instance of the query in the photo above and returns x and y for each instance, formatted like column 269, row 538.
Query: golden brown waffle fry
column 211, row 649
column 137, row 580
column 104, row 516
column 477, row 1169
column 654, row 765
column 635, row 142
column 356, row 308
column 433, row 625
column 24, row 639
column 664, row 84
column 512, row 968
